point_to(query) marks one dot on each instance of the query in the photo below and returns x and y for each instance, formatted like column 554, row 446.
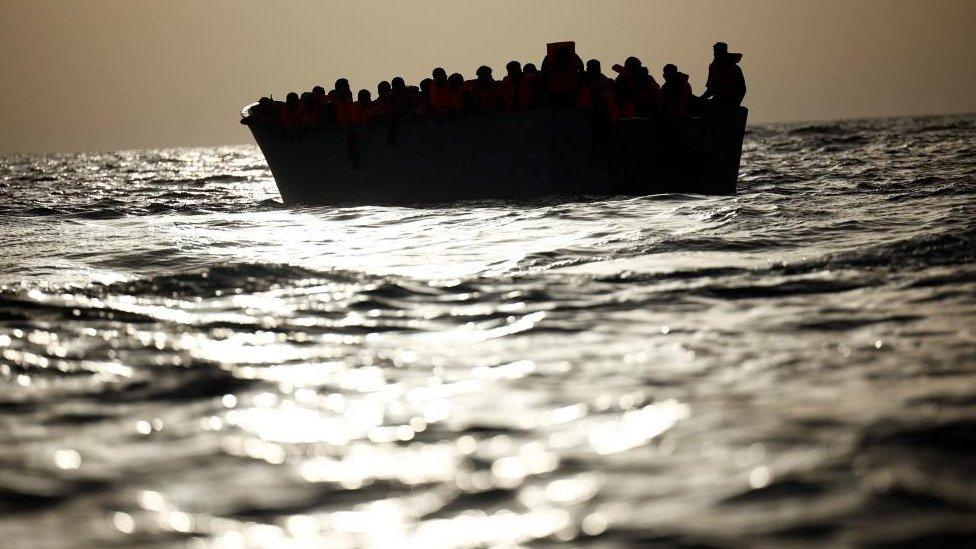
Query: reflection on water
column 184, row 361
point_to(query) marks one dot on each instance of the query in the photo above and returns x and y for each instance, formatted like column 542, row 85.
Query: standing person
column 726, row 86
column 561, row 70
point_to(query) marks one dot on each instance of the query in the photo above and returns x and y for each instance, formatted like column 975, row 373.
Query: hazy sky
column 109, row 74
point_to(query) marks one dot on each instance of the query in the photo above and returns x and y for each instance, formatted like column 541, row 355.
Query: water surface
column 185, row 360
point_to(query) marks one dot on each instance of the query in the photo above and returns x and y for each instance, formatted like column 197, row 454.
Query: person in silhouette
column 595, row 89
column 561, row 72
column 311, row 111
column 382, row 108
column 341, row 97
column 642, row 89
column 511, row 88
column 484, row 91
column 402, row 103
column 532, row 81
column 327, row 114
column 421, row 105
column 358, row 112
column 676, row 94
column 265, row 113
column 341, row 90
column 455, row 88
column 290, row 114
column 726, row 86
column 439, row 93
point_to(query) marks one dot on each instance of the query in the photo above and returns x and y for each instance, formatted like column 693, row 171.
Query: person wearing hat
column 726, row 86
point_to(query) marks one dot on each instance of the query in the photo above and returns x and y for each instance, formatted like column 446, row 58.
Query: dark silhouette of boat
column 507, row 155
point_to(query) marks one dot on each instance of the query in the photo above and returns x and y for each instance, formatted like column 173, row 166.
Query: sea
column 185, row 361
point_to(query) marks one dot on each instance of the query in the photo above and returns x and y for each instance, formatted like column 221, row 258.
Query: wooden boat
column 509, row 155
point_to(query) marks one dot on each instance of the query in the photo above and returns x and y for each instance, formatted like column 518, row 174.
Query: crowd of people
column 561, row 80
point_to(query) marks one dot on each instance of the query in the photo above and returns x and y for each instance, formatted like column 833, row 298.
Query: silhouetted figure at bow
column 676, row 94
column 726, row 86
column 265, row 113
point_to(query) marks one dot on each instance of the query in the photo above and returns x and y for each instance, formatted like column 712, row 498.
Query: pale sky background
column 124, row 74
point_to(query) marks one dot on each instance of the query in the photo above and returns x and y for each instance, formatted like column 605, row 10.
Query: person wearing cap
column 726, row 86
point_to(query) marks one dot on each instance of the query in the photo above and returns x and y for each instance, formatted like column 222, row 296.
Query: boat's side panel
column 503, row 155
column 509, row 155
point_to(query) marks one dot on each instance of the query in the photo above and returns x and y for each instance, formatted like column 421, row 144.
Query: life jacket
column 520, row 95
column 381, row 108
column 356, row 114
column 291, row 119
column 725, row 79
column 562, row 80
column 527, row 91
column 311, row 116
column 486, row 98
column 441, row 97
column 648, row 95
column 676, row 96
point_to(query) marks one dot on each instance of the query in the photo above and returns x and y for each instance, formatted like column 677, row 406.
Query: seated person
column 676, row 95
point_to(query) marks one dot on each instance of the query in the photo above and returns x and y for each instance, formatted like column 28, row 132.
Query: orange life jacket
column 487, row 98
column 291, row 119
column 521, row 96
column 356, row 113
column 311, row 116
column 441, row 97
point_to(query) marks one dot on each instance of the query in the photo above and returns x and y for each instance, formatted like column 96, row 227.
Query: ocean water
column 183, row 360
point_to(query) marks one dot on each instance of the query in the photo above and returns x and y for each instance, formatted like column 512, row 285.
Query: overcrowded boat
column 561, row 129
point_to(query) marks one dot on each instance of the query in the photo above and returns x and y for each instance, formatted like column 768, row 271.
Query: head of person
column 720, row 50
column 291, row 99
column 308, row 99
column 513, row 68
column 455, row 81
column 670, row 72
column 530, row 68
column 383, row 90
column 425, row 85
column 632, row 64
column 318, row 91
column 342, row 84
column 397, row 85
column 593, row 68
column 484, row 74
column 440, row 75
column 364, row 96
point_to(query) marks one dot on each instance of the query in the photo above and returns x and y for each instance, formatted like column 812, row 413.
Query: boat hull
column 520, row 155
